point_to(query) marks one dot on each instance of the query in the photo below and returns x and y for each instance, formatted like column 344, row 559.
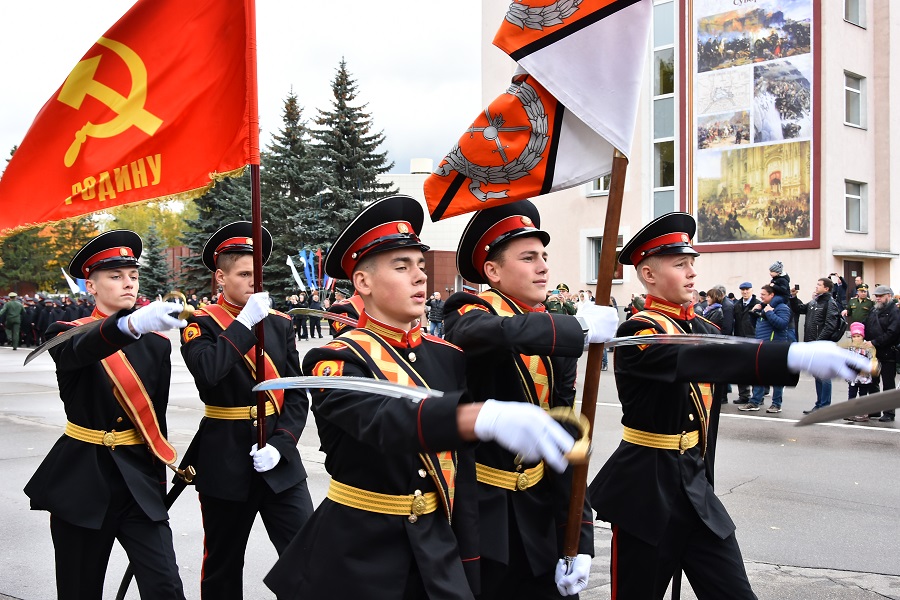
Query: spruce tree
column 289, row 177
column 66, row 239
column 23, row 259
column 156, row 276
column 348, row 153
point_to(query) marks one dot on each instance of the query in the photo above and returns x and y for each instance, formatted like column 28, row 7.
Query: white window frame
column 653, row 98
column 861, row 96
column 860, row 9
column 593, row 241
column 862, row 202
column 599, row 186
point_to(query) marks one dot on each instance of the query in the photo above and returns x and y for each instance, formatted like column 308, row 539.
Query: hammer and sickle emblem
column 129, row 111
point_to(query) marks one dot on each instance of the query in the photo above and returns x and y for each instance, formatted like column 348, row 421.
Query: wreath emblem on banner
column 519, row 166
column 538, row 17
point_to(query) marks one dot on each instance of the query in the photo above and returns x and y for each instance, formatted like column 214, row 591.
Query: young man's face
column 670, row 277
column 765, row 296
column 862, row 294
column 522, row 271
column 237, row 281
column 114, row 289
column 820, row 287
column 393, row 286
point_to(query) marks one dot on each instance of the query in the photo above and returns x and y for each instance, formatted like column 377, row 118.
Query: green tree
column 66, row 239
column 24, row 257
column 289, row 177
column 156, row 276
column 167, row 217
column 349, row 156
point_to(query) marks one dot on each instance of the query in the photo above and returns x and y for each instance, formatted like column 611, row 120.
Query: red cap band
column 657, row 243
column 502, row 227
column 235, row 241
column 358, row 250
column 117, row 252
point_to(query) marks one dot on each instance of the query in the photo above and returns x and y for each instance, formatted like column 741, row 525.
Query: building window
column 855, row 207
column 593, row 259
column 855, row 12
column 854, row 100
column 599, row 187
column 664, row 108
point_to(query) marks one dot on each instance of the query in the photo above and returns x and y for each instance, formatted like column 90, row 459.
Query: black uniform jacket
column 73, row 481
column 636, row 486
column 215, row 357
column 493, row 345
column 381, row 444
column 350, row 307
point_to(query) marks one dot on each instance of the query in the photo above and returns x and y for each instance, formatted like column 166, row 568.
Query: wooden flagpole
column 256, row 215
column 605, row 276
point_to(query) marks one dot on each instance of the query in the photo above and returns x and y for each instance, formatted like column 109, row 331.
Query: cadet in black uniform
column 400, row 518
column 657, row 488
column 519, row 353
column 348, row 306
column 105, row 479
column 235, row 480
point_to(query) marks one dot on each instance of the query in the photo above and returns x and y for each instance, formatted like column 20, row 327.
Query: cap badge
column 527, row 222
column 249, row 241
column 402, row 228
column 123, row 252
column 685, row 238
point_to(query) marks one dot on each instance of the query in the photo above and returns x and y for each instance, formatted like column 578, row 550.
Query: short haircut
column 828, row 283
column 769, row 289
column 226, row 260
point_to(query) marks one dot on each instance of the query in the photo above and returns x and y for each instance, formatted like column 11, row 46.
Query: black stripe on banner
column 570, row 29
column 554, row 148
column 444, row 204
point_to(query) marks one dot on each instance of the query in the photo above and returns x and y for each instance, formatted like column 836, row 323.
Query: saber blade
column 60, row 338
column 860, row 406
column 361, row 384
column 322, row 314
column 678, row 339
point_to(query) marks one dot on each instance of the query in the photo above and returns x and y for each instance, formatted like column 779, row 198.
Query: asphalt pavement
column 817, row 508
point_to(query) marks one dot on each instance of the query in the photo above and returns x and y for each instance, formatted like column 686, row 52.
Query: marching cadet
column 657, row 487
column 517, row 351
column 400, row 517
column 104, row 479
column 235, row 479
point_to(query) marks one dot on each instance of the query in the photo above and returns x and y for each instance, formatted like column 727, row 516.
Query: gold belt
column 237, row 413
column 662, row 441
column 411, row 505
column 509, row 480
column 131, row 437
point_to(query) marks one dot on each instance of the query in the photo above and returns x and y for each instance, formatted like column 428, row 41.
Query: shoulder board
column 435, row 339
column 272, row 311
column 162, row 335
column 200, row 313
column 707, row 321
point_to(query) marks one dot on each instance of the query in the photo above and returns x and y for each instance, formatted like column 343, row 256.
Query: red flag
column 573, row 101
column 161, row 106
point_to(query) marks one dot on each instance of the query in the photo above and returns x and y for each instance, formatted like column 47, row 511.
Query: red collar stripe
column 352, row 255
column 117, row 252
column 650, row 248
column 676, row 311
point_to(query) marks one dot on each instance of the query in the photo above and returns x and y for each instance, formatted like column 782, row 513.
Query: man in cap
column 657, row 487
column 12, row 313
column 883, row 330
column 745, row 326
column 400, row 517
column 235, row 479
column 557, row 301
column 518, row 352
column 104, row 479
column 860, row 306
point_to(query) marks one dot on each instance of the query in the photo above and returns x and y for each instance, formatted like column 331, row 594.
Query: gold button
column 522, row 482
column 119, row 420
column 422, row 473
column 109, row 439
column 690, row 417
column 254, row 422
column 412, row 357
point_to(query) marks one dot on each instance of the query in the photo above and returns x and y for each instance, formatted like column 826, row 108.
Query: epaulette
column 272, row 311
column 436, row 339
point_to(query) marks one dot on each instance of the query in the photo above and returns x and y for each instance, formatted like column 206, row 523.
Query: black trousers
column 226, row 528
column 82, row 554
column 315, row 327
column 515, row 580
column 888, row 376
column 714, row 567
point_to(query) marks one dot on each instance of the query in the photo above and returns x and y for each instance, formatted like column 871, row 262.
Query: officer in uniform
column 559, row 304
column 519, row 353
column 12, row 315
column 104, row 479
column 400, row 518
column 657, row 488
column 235, row 479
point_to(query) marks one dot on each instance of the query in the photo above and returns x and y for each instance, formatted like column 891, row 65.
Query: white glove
column 575, row 580
column 156, row 316
column 825, row 360
column 265, row 459
column 601, row 321
column 255, row 310
column 525, row 429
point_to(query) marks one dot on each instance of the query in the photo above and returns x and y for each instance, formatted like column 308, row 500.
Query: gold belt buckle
column 522, row 482
column 109, row 439
column 418, row 507
column 254, row 411
column 683, row 443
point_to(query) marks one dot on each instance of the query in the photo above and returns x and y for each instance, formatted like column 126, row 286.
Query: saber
column 322, row 314
column 187, row 311
column 861, row 406
column 355, row 384
column 679, row 339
